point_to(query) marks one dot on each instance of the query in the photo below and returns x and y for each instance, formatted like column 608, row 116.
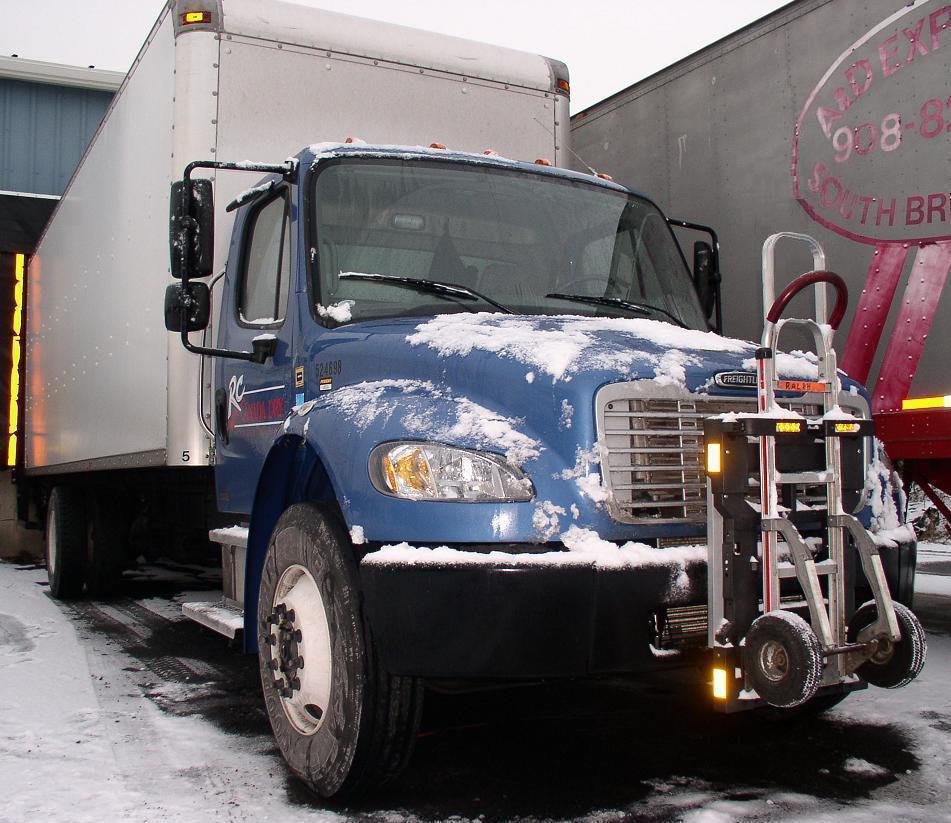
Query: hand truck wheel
column 782, row 659
column 895, row 663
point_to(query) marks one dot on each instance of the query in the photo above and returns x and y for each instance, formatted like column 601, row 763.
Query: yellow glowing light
column 788, row 427
column 196, row 17
column 719, row 684
column 714, row 463
column 19, row 261
column 912, row 403
column 846, row 428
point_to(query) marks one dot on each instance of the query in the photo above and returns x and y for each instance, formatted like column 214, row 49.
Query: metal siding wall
column 44, row 131
column 711, row 140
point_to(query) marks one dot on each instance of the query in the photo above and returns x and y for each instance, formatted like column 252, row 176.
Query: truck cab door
column 252, row 400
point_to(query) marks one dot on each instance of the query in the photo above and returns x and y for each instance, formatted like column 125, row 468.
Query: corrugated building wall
column 44, row 130
column 48, row 115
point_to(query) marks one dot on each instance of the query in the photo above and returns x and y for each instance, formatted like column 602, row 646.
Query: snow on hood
column 468, row 422
column 563, row 346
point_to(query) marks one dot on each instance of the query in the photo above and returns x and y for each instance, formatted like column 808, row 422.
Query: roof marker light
column 604, row 176
column 436, row 146
column 541, row 161
column 563, row 86
column 192, row 17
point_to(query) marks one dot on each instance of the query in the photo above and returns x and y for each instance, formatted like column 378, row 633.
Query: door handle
column 221, row 415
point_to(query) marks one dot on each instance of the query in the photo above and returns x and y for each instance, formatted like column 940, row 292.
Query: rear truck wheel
column 108, row 536
column 894, row 664
column 783, row 659
column 342, row 722
column 66, row 542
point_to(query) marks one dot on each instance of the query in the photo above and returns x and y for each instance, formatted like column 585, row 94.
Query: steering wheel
column 809, row 279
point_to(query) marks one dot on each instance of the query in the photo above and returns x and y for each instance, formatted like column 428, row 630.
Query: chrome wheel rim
column 50, row 543
column 300, row 656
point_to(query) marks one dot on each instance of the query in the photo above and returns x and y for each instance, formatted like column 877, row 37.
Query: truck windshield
column 533, row 243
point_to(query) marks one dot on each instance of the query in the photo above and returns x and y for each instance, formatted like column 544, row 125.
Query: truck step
column 216, row 616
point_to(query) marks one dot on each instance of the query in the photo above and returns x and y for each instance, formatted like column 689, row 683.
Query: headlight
column 429, row 471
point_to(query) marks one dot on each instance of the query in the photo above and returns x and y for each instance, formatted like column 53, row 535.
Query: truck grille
column 653, row 466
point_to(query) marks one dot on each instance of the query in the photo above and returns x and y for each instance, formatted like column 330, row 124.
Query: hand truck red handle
column 809, row 279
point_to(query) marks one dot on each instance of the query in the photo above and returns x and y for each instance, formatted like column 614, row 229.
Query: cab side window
column 267, row 262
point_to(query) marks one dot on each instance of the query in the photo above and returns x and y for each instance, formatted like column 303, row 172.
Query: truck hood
column 522, row 386
column 540, row 371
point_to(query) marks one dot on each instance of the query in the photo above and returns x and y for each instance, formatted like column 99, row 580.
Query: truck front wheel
column 341, row 721
column 66, row 542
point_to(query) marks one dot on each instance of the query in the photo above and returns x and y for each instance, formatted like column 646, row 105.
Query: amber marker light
column 719, row 684
column 563, row 86
column 913, row 403
column 788, row 427
column 714, row 463
column 191, row 17
column 14, row 415
column 846, row 428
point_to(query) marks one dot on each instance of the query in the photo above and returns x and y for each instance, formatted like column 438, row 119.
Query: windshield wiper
column 640, row 308
column 430, row 287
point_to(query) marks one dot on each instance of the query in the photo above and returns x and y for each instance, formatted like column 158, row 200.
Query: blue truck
column 471, row 419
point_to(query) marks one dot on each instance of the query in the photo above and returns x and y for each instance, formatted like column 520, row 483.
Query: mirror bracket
column 188, row 207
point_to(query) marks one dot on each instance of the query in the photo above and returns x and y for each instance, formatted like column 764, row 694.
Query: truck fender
column 293, row 472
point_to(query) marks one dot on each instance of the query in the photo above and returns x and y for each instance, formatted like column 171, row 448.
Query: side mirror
column 197, row 302
column 705, row 275
column 191, row 225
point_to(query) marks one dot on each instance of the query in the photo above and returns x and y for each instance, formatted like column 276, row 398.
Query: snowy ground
column 125, row 711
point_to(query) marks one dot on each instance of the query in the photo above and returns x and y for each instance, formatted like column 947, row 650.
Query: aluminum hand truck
column 783, row 626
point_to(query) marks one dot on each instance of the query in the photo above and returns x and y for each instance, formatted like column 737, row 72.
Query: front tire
column 66, row 542
column 342, row 723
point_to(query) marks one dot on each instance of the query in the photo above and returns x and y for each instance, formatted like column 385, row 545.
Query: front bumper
column 504, row 620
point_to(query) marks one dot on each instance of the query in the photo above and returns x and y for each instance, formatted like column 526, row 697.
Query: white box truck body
column 107, row 386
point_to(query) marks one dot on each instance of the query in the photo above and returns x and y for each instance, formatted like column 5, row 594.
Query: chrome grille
column 653, row 466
